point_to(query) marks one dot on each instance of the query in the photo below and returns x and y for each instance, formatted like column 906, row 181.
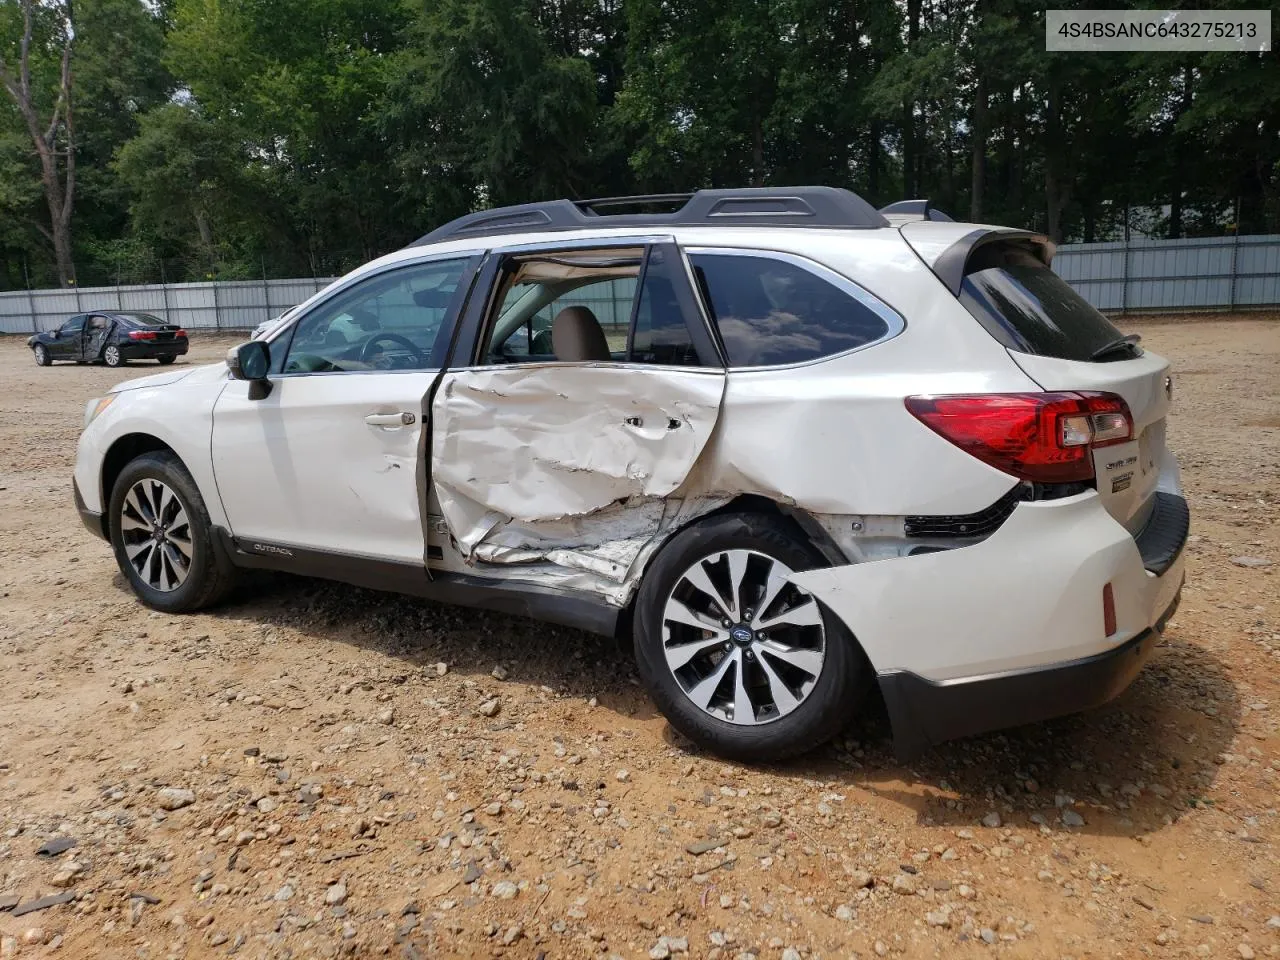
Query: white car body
column 549, row 487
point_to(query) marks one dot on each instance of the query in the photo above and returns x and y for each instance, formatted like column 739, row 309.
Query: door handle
column 390, row 419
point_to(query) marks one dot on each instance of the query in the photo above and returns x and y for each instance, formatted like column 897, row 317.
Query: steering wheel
column 367, row 351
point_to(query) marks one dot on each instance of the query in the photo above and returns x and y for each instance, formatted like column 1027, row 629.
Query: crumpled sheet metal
column 503, row 454
column 606, row 549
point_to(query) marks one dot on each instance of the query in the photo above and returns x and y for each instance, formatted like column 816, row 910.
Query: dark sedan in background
column 112, row 338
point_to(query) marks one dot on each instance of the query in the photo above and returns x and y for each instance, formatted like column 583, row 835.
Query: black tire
column 112, row 356
column 42, row 355
column 835, row 695
column 165, row 361
column 210, row 576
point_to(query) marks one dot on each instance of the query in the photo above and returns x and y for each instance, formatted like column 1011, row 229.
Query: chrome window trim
column 587, row 243
column 894, row 321
column 337, row 289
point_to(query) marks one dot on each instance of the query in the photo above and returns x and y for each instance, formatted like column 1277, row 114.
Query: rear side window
column 660, row 334
column 772, row 309
column 1030, row 309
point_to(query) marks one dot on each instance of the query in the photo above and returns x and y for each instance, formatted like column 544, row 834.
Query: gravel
column 283, row 774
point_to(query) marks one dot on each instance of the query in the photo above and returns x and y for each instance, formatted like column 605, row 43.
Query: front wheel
column 112, row 356
column 163, row 538
column 740, row 660
column 42, row 355
column 165, row 361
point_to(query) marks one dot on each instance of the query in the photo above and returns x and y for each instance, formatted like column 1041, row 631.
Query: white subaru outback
column 783, row 442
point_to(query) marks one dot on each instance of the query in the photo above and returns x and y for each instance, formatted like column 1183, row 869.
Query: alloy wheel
column 156, row 534
column 112, row 356
column 744, row 644
column 42, row 355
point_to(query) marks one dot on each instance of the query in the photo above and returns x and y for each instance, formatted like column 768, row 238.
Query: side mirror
column 251, row 361
column 57, row 334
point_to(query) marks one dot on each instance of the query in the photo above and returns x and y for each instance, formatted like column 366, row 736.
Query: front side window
column 772, row 310
column 72, row 327
column 386, row 322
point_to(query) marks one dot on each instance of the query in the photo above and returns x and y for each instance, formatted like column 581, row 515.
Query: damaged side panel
column 1072, row 543
column 570, row 466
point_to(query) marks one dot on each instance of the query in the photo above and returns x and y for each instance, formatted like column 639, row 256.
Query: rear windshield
column 1029, row 308
column 146, row 319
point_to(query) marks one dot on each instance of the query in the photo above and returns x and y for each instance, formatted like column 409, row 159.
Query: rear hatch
column 1063, row 343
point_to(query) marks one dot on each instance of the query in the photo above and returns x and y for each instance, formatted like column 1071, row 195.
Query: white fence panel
column 1166, row 275
column 1213, row 273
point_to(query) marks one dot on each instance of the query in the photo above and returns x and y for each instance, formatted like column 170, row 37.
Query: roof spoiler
column 915, row 210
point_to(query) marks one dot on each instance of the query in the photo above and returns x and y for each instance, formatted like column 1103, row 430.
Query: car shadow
column 421, row 633
column 1127, row 768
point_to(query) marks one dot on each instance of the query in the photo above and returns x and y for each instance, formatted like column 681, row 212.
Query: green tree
column 35, row 72
column 482, row 109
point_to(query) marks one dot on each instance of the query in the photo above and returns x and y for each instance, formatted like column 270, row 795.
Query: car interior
column 565, row 306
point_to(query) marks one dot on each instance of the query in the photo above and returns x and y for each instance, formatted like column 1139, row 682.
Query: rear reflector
column 1108, row 610
column 1041, row 437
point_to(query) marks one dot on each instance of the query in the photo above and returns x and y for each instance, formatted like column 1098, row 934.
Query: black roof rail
column 917, row 208
column 747, row 207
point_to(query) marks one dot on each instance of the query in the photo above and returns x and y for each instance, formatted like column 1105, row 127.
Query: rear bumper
column 150, row 349
column 924, row 712
column 93, row 521
column 1011, row 629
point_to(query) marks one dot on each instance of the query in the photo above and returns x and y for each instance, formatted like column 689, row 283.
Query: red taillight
column 142, row 334
column 179, row 333
column 1042, row 437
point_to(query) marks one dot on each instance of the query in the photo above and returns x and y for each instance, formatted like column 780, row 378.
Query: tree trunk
column 978, row 148
column 59, row 186
column 757, row 150
column 1056, row 189
column 1179, row 161
column 873, row 163
column 910, row 185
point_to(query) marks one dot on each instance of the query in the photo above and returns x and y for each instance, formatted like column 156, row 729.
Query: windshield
column 1029, row 308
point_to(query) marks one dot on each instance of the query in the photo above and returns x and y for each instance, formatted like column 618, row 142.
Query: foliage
column 242, row 137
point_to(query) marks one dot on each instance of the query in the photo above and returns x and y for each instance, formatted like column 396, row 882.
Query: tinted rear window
column 771, row 311
column 1029, row 308
column 145, row 319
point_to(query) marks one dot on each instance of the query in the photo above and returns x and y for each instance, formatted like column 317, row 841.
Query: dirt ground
column 348, row 796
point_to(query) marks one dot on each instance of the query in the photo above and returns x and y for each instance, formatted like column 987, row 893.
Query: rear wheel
column 42, row 355
column 740, row 660
column 163, row 538
column 165, row 361
column 112, row 356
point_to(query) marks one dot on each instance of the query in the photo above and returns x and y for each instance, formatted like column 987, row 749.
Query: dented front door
column 534, row 457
